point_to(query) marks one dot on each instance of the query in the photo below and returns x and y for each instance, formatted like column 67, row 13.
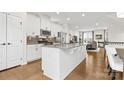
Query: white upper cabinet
column 33, row 25
column 53, row 32
column 55, row 28
column 45, row 23
column 48, row 24
column 58, row 28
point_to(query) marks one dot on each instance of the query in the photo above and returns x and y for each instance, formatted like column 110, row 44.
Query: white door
column 14, row 29
column 2, row 41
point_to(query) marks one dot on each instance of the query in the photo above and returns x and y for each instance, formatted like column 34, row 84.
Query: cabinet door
column 39, row 52
column 43, row 23
column 54, row 30
column 53, row 33
column 30, row 52
column 48, row 24
column 33, row 25
column 33, row 52
column 14, row 30
column 36, row 24
column 2, row 41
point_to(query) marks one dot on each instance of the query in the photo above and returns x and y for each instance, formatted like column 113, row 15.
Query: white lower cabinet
column 34, row 52
column 58, row 63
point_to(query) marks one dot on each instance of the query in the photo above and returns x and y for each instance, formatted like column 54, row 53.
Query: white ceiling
column 77, row 21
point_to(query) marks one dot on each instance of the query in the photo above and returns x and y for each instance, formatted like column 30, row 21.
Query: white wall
column 116, row 32
column 115, row 28
column 97, row 30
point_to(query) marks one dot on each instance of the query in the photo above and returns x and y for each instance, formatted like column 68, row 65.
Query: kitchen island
column 58, row 61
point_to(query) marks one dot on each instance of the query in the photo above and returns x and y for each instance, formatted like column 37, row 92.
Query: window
column 88, row 36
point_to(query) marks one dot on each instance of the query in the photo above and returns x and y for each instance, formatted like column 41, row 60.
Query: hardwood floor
column 31, row 71
column 93, row 68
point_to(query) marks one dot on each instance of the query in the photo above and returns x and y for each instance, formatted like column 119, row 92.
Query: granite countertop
column 64, row 46
column 120, row 52
column 33, row 43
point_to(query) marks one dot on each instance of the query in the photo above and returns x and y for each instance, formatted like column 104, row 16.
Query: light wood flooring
column 93, row 68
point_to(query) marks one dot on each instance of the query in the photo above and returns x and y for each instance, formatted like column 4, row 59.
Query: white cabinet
column 14, row 43
column 2, row 41
column 39, row 50
column 10, row 41
column 45, row 23
column 59, row 63
column 34, row 52
column 48, row 25
column 53, row 30
column 33, row 25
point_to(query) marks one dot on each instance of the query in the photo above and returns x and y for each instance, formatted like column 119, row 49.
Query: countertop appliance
column 45, row 32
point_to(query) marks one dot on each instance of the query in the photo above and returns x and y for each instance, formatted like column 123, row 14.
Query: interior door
column 2, row 41
column 14, row 29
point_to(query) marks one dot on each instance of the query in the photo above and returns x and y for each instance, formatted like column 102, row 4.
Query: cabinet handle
column 9, row 43
column 3, row 44
column 36, row 49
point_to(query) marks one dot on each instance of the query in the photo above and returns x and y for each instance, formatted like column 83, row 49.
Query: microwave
column 45, row 32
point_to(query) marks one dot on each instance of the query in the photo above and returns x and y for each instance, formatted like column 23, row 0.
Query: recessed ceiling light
column 83, row 14
column 68, row 19
column 120, row 14
column 77, row 27
column 97, row 23
column 57, row 13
